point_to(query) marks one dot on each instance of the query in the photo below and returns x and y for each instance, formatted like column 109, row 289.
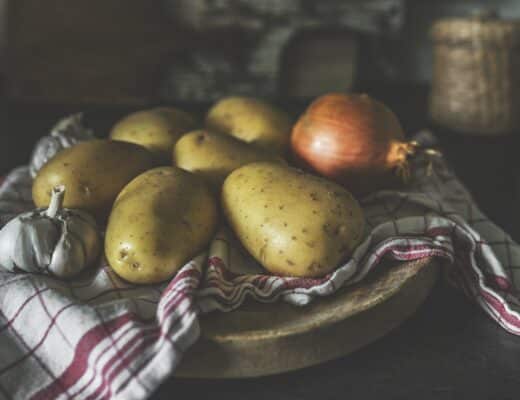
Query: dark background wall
column 3, row 31
column 112, row 49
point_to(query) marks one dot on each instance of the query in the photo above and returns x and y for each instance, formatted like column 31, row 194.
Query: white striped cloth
column 99, row 337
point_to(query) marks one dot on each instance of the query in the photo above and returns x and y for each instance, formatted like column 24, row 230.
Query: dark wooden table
column 448, row 350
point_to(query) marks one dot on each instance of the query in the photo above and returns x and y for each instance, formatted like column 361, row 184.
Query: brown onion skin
column 349, row 138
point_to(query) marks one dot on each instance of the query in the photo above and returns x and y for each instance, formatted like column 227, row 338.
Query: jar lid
column 484, row 25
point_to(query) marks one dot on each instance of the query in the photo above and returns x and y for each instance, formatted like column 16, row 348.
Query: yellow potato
column 252, row 121
column 293, row 223
column 160, row 220
column 156, row 129
column 215, row 155
column 93, row 173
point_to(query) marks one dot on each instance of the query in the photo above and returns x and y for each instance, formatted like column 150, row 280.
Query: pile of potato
column 163, row 180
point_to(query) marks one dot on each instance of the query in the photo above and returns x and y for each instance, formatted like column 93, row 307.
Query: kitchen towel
column 99, row 337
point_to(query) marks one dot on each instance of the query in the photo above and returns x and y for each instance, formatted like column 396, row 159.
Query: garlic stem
column 58, row 194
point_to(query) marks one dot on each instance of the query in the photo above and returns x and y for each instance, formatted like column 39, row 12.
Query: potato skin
column 293, row 223
column 157, row 129
column 93, row 173
column 160, row 220
column 214, row 155
column 252, row 121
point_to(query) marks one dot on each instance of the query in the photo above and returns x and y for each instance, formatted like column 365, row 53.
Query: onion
column 353, row 140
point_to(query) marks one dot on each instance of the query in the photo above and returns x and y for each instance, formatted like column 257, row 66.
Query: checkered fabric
column 98, row 337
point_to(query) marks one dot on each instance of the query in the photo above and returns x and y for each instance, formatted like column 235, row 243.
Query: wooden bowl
column 263, row 339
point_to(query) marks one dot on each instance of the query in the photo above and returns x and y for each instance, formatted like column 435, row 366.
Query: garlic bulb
column 66, row 133
column 56, row 241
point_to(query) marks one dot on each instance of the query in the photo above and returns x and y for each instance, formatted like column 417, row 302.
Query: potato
column 252, row 121
column 156, row 129
column 160, row 220
column 93, row 172
column 215, row 155
column 293, row 223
